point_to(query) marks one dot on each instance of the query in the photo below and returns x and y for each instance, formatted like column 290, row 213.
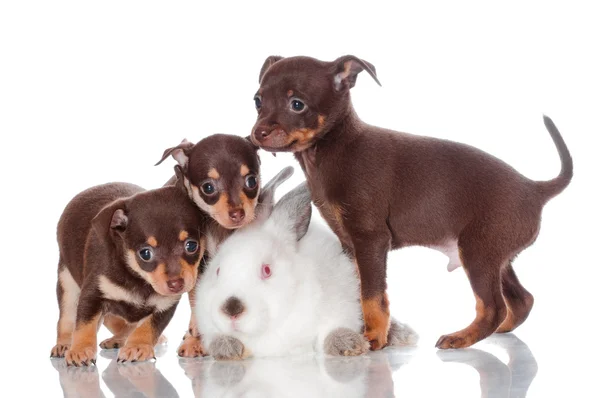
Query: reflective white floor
column 503, row 366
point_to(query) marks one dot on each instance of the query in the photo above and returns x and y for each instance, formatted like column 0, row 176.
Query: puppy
column 381, row 190
column 126, row 257
column 221, row 175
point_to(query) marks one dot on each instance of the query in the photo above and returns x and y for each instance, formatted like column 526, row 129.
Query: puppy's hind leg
column 482, row 260
column 518, row 301
column 67, row 292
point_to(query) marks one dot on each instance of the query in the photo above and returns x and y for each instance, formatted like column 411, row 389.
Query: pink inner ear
column 265, row 271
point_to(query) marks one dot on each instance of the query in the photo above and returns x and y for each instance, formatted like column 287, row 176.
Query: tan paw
column 136, row 352
column 191, row 347
column 81, row 356
column 58, row 351
column 113, row 342
column 346, row 342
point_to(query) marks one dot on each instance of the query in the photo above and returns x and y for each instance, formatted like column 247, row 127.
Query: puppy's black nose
column 233, row 307
column 175, row 285
column 237, row 215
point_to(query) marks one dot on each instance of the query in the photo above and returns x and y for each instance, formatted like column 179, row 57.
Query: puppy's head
column 160, row 235
column 300, row 98
column 221, row 174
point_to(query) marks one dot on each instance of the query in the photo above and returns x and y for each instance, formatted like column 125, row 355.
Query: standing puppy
column 221, row 175
column 126, row 257
column 381, row 190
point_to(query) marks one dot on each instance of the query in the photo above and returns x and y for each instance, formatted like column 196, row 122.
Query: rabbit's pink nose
column 233, row 307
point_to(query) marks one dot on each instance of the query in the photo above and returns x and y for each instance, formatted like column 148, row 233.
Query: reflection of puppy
column 497, row 379
column 131, row 379
column 126, row 257
column 78, row 382
column 221, row 175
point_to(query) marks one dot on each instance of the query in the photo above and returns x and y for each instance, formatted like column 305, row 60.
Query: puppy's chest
column 129, row 304
column 332, row 211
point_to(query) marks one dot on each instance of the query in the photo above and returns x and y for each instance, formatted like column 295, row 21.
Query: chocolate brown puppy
column 126, row 257
column 381, row 190
column 221, row 175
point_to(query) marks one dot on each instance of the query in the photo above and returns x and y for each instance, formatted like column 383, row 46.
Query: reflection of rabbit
column 278, row 377
column 281, row 287
column 299, row 376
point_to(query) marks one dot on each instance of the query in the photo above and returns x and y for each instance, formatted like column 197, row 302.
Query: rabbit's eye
column 265, row 271
column 218, row 269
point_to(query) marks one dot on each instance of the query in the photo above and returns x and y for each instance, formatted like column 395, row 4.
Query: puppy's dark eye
column 146, row 254
column 257, row 102
column 191, row 246
column 208, row 188
column 251, row 182
column 297, row 105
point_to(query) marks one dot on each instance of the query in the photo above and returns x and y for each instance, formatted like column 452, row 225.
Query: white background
column 92, row 92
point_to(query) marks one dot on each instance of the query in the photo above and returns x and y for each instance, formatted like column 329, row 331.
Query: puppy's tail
column 551, row 188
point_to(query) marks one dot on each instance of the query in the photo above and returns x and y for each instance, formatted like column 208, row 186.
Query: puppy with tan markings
column 126, row 257
column 221, row 175
column 381, row 190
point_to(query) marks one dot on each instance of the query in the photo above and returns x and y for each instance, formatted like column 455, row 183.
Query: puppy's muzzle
column 263, row 134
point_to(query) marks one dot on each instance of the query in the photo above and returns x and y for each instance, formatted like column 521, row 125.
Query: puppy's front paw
column 81, row 356
column 191, row 347
column 59, row 350
column 226, row 347
column 346, row 342
column 136, row 352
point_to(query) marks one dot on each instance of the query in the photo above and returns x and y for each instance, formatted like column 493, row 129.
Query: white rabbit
column 283, row 285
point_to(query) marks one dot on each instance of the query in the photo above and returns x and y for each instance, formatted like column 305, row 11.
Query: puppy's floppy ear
column 180, row 153
column 112, row 217
column 347, row 68
column 180, row 182
column 266, row 198
column 294, row 210
column 268, row 63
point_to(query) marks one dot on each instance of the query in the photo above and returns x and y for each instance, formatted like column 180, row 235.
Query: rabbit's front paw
column 346, row 342
column 227, row 347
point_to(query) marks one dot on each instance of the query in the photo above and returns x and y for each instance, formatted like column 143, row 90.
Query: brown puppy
column 126, row 257
column 380, row 190
column 221, row 175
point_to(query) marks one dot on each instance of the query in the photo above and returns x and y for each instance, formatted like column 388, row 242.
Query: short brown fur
column 101, row 273
column 399, row 189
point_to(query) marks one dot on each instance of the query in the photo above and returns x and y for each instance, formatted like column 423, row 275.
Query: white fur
column 162, row 303
column 71, row 291
column 112, row 291
column 313, row 289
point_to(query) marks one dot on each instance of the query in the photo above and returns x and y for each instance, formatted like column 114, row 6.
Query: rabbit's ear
column 266, row 198
column 293, row 211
